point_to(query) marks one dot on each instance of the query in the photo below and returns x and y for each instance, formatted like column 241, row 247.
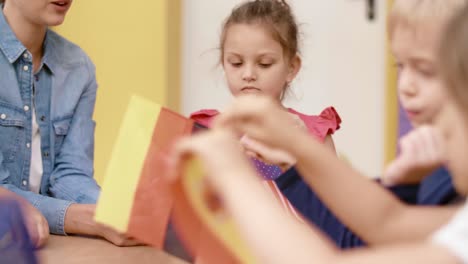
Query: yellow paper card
column 126, row 162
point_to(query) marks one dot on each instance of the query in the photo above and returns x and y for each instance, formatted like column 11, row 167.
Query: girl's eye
column 236, row 64
column 265, row 65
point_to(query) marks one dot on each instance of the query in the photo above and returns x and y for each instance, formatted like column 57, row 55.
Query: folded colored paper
column 137, row 199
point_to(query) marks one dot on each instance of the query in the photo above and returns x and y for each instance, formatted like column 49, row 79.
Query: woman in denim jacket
column 47, row 96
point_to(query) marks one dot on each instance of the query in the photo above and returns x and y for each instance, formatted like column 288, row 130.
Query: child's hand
column 36, row 224
column 261, row 118
column 421, row 153
column 278, row 157
column 220, row 154
column 266, row 154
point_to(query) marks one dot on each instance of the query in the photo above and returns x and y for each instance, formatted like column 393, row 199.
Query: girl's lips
column 250, row 89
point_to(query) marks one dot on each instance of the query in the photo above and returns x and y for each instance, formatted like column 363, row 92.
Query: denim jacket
column 65, row 95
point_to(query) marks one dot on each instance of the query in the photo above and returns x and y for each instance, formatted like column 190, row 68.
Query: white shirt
column 454, row 236
column 35, row 170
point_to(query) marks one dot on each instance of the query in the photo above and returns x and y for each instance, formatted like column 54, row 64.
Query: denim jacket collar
column 49, row 60
column 13, row 48
column 9, row 43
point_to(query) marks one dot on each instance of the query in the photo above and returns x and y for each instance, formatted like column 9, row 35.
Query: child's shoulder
column 322, row 125
column 204, row 116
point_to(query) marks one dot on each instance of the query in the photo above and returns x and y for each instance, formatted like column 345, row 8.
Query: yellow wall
column 130, row 44
column 391, row 106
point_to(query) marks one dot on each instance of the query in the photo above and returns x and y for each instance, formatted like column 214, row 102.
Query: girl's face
column 254, row 62
column 38, row 12
column 452, row 122
column 419, row 81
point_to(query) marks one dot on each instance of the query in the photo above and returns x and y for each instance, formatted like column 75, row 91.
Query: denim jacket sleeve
column 53, row 209
column 72, row 177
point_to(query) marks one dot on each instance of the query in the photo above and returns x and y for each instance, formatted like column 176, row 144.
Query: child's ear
column 294, row 67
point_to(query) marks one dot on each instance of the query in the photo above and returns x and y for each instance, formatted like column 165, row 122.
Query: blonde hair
column 453, row 57
column 414, row 14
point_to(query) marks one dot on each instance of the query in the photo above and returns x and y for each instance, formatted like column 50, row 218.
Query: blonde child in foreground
column 237, row 185
column 415, row 43
column 415, row 29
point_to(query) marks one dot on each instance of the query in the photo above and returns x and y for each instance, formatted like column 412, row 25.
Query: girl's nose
column 249, row 74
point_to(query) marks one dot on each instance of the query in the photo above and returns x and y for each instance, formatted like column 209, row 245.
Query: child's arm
column 369, row 210
column 274, row 236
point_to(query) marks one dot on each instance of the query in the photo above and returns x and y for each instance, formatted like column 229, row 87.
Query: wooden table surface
column 72, row 249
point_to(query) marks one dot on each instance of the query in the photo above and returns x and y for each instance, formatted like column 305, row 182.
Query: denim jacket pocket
column 12, row 129
column 61, row 130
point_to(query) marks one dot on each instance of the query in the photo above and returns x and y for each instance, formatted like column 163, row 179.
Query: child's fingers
column 231, row 115
column 395, row 171
column 244, row 109
column 390, row 175
column 420, row 152
column 260, row 118
column 254, row 148
column 430, row 147
column 268, row 154
column 238, row 124
column 209, row 146
column 252, row 154
column 181, row 152
column 407, row 147
column 252, row 145
column 437, row 146
column 440, row 146
column 420, row 148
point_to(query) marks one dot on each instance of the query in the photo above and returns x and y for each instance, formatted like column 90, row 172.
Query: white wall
column 343, row 65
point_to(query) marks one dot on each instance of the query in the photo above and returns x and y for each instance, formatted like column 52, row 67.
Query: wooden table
column 72, row 249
